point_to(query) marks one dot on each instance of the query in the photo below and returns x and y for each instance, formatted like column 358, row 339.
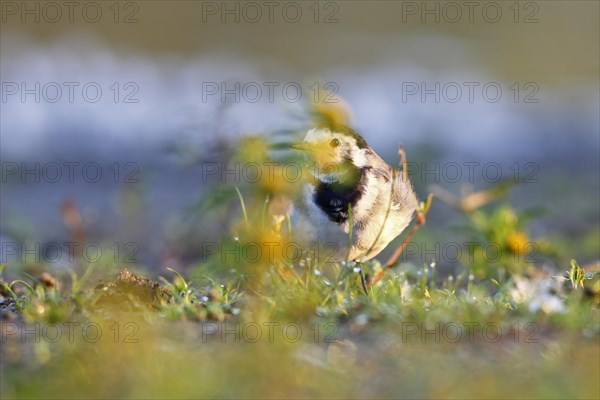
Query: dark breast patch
column 334, row 198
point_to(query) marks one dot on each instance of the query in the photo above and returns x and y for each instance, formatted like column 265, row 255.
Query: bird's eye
column 334, row 142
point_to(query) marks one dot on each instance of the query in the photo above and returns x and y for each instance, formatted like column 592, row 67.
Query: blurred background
column 145, row 92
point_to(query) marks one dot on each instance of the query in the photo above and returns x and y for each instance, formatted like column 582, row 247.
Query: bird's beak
column 301, row 146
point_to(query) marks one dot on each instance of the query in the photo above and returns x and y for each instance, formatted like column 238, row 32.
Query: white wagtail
column 353, row 189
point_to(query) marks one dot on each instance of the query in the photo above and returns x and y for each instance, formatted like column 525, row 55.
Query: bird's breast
column 335, row 199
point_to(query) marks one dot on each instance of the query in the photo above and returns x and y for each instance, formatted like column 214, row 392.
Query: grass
column 305, row 336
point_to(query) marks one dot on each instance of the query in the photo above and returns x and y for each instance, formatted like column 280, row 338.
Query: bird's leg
column 362, row 279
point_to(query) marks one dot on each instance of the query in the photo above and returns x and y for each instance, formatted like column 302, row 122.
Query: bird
column 355, row 204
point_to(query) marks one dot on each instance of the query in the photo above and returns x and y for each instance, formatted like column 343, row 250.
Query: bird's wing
column 404, row 197
column 383, row 174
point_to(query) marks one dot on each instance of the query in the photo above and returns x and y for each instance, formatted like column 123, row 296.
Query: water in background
column 163, row 102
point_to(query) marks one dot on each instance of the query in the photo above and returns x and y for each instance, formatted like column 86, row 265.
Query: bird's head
column 334, row 151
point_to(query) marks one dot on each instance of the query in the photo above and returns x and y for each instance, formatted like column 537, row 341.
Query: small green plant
column 186, row 302
column 577, row 275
